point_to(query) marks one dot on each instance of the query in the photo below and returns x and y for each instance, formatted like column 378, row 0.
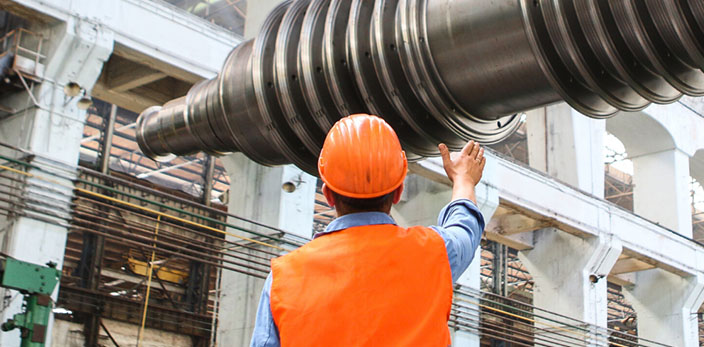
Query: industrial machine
column 36, row 283
column 436, row 70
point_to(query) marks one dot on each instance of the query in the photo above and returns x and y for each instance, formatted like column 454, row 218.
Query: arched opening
column 639, row 133
column 658, row 165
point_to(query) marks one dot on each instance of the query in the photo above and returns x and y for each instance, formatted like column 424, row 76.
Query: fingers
column 480, row 154
column 472, row 149
column 467, row 148
column 445, row 154
column 475, row 151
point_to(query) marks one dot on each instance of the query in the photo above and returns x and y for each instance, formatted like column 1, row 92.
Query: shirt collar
column 356, row 220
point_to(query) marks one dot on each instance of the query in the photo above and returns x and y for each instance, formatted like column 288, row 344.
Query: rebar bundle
column 436, row 70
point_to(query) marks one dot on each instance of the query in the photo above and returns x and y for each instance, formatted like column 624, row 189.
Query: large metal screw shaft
column 436, row 70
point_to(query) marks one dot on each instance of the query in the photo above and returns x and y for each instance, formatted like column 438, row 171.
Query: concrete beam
column 517, row 223
column 623, row 280
column 538, row 196
column 168, row 36
column 523, row 241
column 129, row 100
column 126, row 75
column 628, row 265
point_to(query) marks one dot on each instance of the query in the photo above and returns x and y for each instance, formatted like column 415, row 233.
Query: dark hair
column 363, row 205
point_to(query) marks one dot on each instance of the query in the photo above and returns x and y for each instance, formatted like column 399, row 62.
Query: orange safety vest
column 373, row 285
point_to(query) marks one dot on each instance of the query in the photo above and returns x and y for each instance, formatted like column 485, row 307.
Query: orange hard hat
column 362, row 158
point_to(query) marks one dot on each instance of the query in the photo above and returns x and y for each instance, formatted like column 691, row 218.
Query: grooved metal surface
column 436, row 70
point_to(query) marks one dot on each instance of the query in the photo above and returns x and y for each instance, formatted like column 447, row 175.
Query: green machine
column 36, row 283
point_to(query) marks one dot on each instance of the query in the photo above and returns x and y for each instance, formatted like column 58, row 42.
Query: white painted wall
column 561, row 265
column 153, row 28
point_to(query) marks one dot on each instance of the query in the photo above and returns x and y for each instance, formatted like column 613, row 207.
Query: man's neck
column 344, row 212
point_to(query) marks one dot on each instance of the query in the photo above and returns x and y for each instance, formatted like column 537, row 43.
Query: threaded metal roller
column 436, row 70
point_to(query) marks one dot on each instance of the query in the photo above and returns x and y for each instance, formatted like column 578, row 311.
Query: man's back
column 367, row 285
column 364, row 280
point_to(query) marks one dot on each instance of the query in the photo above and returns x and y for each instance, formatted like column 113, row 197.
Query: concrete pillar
column 422, row 201
column 568, row 146
column 52, row 129
column 661, row 189
column 256, row 193
column 570, row 274
column 667, row 305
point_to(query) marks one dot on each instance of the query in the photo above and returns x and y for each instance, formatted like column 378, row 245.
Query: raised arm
column 460, row 223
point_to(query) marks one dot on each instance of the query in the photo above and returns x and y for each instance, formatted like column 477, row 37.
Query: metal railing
column 27, row 45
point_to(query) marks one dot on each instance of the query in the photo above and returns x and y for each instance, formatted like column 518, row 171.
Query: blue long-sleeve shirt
column 460, row 224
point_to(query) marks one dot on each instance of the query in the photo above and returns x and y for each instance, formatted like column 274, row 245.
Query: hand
column 463, row 168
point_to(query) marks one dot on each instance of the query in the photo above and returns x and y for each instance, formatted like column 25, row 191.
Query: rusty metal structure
column 436, row 70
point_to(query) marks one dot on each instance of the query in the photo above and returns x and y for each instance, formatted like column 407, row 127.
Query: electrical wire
column 182, row 220
column 577, row 325
column 148, row 201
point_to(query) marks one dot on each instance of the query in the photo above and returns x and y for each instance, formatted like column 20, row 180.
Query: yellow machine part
column 164, row 273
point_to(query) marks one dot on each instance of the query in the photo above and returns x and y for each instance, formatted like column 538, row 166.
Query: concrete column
column 422, row 201
column 570, row 274
column 568, row 146
column 52, row 129
column 661, row 189
column 256, row 193
column 667, row 305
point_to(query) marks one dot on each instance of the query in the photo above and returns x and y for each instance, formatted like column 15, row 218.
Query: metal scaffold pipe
column 436, row 70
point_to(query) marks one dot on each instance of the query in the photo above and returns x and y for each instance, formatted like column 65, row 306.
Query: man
column 365, row 281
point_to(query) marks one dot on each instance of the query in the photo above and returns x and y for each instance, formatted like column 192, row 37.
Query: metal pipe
column 209, row 171
column 168, row 168
column 106, row 151
column 436, row 70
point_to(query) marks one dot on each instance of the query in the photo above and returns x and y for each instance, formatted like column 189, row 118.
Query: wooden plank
column 126, row 75
column 629, row 265
column 127, row 100
column 508, row 224
column 623, row 280
column 521, row 242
